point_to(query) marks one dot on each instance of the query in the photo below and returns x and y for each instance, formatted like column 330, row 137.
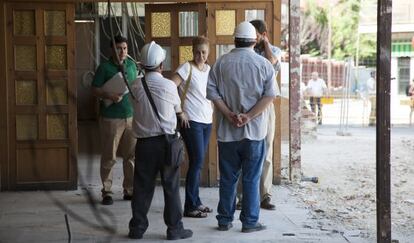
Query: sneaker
column 224, row 227
column 257, row 227
column 180, row 234
column 107, row 200
column 265, row 204
column 134, row 235
column 127, row 197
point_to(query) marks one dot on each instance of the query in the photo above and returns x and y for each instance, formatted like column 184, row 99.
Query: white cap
column 152, row 55
column 245, row 30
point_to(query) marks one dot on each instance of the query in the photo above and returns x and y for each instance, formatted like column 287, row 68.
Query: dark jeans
column 196, row 139
column 149, row 160
column 316, row 101
column 235, row 157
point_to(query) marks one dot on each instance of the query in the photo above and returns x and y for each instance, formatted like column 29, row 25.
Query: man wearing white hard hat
column 273, row 54
column 241, row 86
column 151, row 147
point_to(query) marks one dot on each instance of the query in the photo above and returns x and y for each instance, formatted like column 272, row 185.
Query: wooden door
column 173, row 26
column 216, row 21
column 41, row 96
column 221, row 21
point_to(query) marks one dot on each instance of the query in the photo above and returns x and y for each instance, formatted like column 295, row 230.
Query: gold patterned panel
column 26, row 92
column 225, row 22
column 161, row 24
column 25, row 58
column 56, row 57
column 186, row 53
column 24, row 22
column 57, row 126
column 57, row 92
column 26, row 127
column 55, row 23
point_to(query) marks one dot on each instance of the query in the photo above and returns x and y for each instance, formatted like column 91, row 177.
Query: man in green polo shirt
column 115, row 120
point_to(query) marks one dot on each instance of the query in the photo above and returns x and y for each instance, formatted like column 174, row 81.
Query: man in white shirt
column 150, row 152
column 316, row 88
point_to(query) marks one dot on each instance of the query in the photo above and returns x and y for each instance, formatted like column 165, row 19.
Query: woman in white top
column 191, row 79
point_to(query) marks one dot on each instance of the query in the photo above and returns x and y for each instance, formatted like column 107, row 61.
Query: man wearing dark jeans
column 151, row 147
column 241, row 85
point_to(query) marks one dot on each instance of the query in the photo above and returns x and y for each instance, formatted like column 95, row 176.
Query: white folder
column 114, row 85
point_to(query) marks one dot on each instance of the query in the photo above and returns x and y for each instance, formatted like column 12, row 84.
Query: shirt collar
column 154, row 74
column 243, row 49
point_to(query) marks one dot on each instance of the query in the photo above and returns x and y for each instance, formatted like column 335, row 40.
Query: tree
column 345, row 22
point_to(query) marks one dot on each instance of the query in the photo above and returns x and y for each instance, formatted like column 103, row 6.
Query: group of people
column 241, row 85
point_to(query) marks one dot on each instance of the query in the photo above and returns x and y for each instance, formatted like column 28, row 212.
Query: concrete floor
column 38, row 216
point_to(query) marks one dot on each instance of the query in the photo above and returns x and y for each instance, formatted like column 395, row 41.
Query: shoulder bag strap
column 147, row 91
column 187, row 84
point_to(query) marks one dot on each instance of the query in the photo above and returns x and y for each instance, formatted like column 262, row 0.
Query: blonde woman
column 191, row 79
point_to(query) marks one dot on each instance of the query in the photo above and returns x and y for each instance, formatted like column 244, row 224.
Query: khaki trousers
column 117, row 133
column 266, row 179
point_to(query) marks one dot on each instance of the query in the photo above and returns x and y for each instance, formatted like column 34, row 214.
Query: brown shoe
column 265, row 204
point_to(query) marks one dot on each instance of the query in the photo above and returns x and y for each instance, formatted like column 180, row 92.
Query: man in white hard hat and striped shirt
column 241, row 86
column 151, row 147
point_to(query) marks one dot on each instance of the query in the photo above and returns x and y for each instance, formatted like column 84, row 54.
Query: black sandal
column 195, row 214
column 205, row 209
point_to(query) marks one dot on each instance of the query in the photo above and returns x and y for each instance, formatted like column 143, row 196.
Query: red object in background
column 412, row 42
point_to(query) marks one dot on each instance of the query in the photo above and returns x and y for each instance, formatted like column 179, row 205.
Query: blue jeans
column 235, row 157
column 196, row 139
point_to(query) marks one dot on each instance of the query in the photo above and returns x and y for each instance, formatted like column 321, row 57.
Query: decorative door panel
column 42, row 96
column 173, row 26
column 221, row 21
column 224, row 17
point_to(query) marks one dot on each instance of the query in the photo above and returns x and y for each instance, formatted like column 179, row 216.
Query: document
column 114, row 85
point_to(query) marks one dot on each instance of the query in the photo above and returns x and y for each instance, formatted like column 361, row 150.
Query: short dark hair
column 260, row 25
column 118, row 39
column 243, row 42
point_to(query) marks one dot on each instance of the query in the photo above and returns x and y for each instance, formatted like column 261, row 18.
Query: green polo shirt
column 106, row 71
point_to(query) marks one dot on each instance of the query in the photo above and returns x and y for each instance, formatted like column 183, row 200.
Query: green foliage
column 345, row 18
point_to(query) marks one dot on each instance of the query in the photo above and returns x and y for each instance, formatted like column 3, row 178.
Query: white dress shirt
column 316, row 88
column 166, row 99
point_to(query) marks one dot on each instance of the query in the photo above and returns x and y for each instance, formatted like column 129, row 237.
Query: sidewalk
column 37, row 217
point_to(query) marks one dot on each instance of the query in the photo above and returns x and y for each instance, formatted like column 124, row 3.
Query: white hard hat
column 245, row 30
column 152, row 55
